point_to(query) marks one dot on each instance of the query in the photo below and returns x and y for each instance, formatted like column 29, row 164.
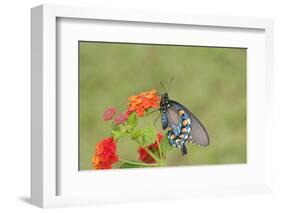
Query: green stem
column 137, row 163
column 159, row 148
column 159, row 161
column 151, row 154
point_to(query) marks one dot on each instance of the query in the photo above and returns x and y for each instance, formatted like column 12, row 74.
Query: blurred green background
column 210, row 81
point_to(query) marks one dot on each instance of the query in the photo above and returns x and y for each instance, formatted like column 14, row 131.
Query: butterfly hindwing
column 199, row 133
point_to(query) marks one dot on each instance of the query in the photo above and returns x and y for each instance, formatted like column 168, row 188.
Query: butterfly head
column 164, row 103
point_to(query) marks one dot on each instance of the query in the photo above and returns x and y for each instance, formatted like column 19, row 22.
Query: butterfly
column 182, row 125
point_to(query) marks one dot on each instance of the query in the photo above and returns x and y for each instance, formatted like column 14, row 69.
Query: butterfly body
column 183, row 127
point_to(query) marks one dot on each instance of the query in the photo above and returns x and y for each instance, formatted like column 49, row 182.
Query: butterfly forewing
column 198, row 131
column 173, row 116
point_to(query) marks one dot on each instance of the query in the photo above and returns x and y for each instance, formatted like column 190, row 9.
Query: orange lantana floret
column 143, row 101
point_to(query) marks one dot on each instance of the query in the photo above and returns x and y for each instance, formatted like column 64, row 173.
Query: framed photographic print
column 148, row 105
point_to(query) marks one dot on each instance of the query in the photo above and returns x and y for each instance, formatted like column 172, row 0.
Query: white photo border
column 44, row 191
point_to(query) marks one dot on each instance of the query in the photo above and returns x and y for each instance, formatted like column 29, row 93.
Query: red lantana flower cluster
column 144, row 156
column 143, row 101
column 105, row 154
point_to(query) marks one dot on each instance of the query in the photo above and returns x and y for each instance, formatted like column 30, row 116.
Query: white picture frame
column 49, row 185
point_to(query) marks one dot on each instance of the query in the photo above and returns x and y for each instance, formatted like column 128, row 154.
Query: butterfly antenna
column 163, row 86
column 171, row 80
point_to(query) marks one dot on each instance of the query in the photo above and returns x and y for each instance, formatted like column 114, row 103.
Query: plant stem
column 159, row 148
column 138, row 163
column 151, row 154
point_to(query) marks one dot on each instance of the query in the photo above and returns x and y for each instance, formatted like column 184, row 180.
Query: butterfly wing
column 179, row 131
column 174, row 119
column 199, row 133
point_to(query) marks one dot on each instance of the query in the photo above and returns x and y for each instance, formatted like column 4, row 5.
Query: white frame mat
column 54, row 184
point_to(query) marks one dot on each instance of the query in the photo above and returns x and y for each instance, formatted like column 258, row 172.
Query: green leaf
column 128, row 165
column 117, row 134
column 115, row 128
column 165, row 146
column 132, row 121
column 136, row 134
column 148, row 136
